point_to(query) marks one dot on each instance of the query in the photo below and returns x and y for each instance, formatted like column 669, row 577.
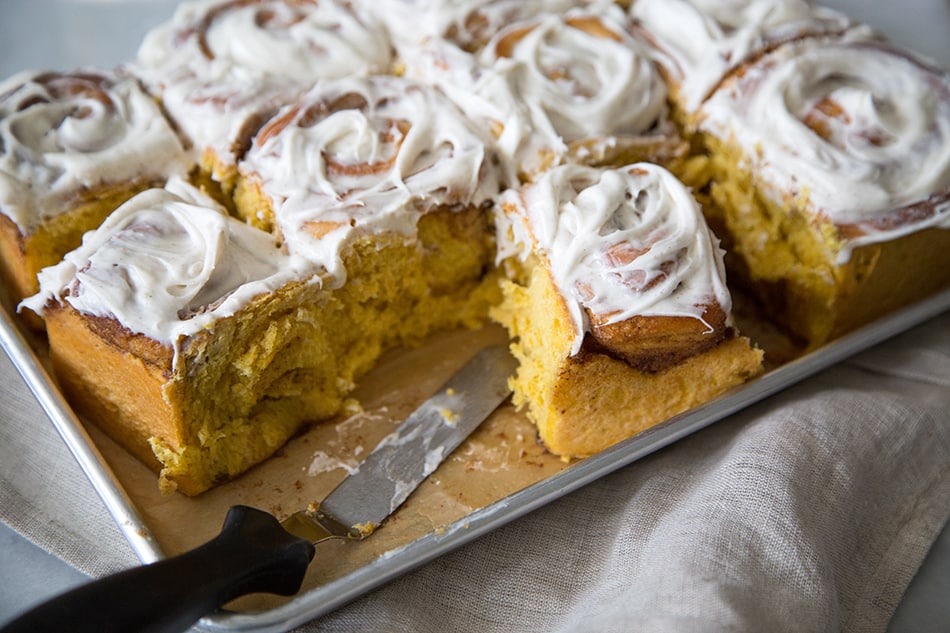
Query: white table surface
column 61, row 34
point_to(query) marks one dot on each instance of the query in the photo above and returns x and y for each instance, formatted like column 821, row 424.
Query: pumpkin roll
column 697, row 43
column 73, row 147
column 829, row 168
column 223, row 67
column 616, row 303
column 556, row 87
column 170, row 328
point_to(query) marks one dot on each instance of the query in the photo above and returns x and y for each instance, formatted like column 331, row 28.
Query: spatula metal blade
column 403, row 459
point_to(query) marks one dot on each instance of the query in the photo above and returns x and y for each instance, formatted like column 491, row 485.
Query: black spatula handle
column 252, row 554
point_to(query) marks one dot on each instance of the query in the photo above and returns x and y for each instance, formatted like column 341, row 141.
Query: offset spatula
column 256, row 553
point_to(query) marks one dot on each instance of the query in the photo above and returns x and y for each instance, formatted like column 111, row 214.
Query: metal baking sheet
column 442, row 516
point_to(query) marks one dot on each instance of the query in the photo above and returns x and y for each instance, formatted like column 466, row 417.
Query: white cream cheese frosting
column 167, row 264
column 217, row 63
column 859, row 130
column 619, row 243
column 63, row 133
column 365, row 155
column 699, row 41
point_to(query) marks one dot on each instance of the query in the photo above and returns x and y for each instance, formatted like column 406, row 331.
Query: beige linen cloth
column 810, row 511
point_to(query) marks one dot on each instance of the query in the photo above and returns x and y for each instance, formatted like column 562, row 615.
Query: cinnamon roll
column 222, row 67
column 73, row 146
column 356, row 157
column 831, row 166
column 698, row 42
column 157, row 327
column 620, row 283
column 555, row 87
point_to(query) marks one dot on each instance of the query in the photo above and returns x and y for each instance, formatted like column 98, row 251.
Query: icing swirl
column 365, row 154
column 61, row 133
column 859, row 130
column 619, row 243
column 218, row 62
column 166, row 264
column 699, row 41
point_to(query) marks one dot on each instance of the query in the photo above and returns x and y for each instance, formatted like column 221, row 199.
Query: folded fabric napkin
column 810, row 511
